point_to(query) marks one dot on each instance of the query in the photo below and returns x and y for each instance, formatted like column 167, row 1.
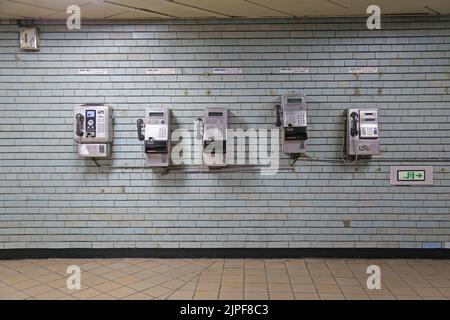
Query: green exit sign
column 411, row 175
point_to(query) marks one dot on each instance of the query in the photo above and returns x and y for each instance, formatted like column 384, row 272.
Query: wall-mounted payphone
column 156, row 136
column 93, row 130
column 291, row 117
column 214, row 135
column 362, row 132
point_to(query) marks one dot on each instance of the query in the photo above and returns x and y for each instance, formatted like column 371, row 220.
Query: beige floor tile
column 157, row 291
column 17, row 278
column 445, row 292
column 255, row 278
column 100, row 271
column 182, row 295
column 91, row 282
column 232, row 278
column 402, row 291
column 86, row 293
column 107, row 286
column 138, row 296
column 210, row 278
column 303, row 288
column 349, row 289
column 205, row 295
column 306, row 296
column 273, row 264
column 122, row 292
column 234, row 263
column 228, row 295
column 356, row 297
column 103, row 296
column 159, row 279
column 440, row 283
column 381, row 297
column 347, row 281
column 390, row 282
column 127, row 280
column 255, row 287
column 303, row 280
column 383, row 291
column 13, row 295
column 428, row 292
column 256, row 295
column 434, row 298
column 51, row 277
column 141, row 285
column 67, row 297
column 341, row 274
column 208, row 286
column 328, row 288
column 280, row 287
column 408, row 297
column 278, row 279
column 174, row 284
column 331, row 296
column 233, row 271
column 26, row 284
column 190, row 286
column 188, row 277
column 281, row 295
column 324, row 280
column 145, row 274
column 131, row 270
column 37, row 290
column 51, row 295
column 232, row 286
column 114, row 275
column 255, row 271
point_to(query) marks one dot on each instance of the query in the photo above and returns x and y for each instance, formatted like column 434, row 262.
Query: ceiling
column 171, row 9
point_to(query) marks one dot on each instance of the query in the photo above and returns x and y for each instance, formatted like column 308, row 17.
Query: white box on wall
column 29, row 39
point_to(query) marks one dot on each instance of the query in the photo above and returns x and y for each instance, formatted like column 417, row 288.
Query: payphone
column 156, row 136
column 291, row 117
column 93, row 130
column 215, row 124
column 363, row 138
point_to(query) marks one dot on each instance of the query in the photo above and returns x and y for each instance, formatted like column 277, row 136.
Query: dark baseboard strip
column 226, row 253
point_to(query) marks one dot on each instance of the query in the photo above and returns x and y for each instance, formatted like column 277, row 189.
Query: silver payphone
column 215, row 124
column 291, row 117
column 93, row 130
column 363, row 137
column 156, row 136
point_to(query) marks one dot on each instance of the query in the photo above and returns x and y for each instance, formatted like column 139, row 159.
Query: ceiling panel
column 16, row 9
column 398, row 7
column 7, row 16
column 306, row 8
column 135, row 14
column 234, row 8
column 53, row 4
column 93, row 10
column 169, row 8
column 129, row 9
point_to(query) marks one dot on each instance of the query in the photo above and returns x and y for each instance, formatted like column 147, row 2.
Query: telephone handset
column 279, row 116
column 200, row 128
column 140, row 124
column 80, row 119
column 354, row 125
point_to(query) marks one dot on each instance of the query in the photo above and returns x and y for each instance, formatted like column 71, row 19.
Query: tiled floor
column 224, row 279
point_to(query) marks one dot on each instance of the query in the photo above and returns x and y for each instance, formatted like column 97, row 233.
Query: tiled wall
column 49, row 198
